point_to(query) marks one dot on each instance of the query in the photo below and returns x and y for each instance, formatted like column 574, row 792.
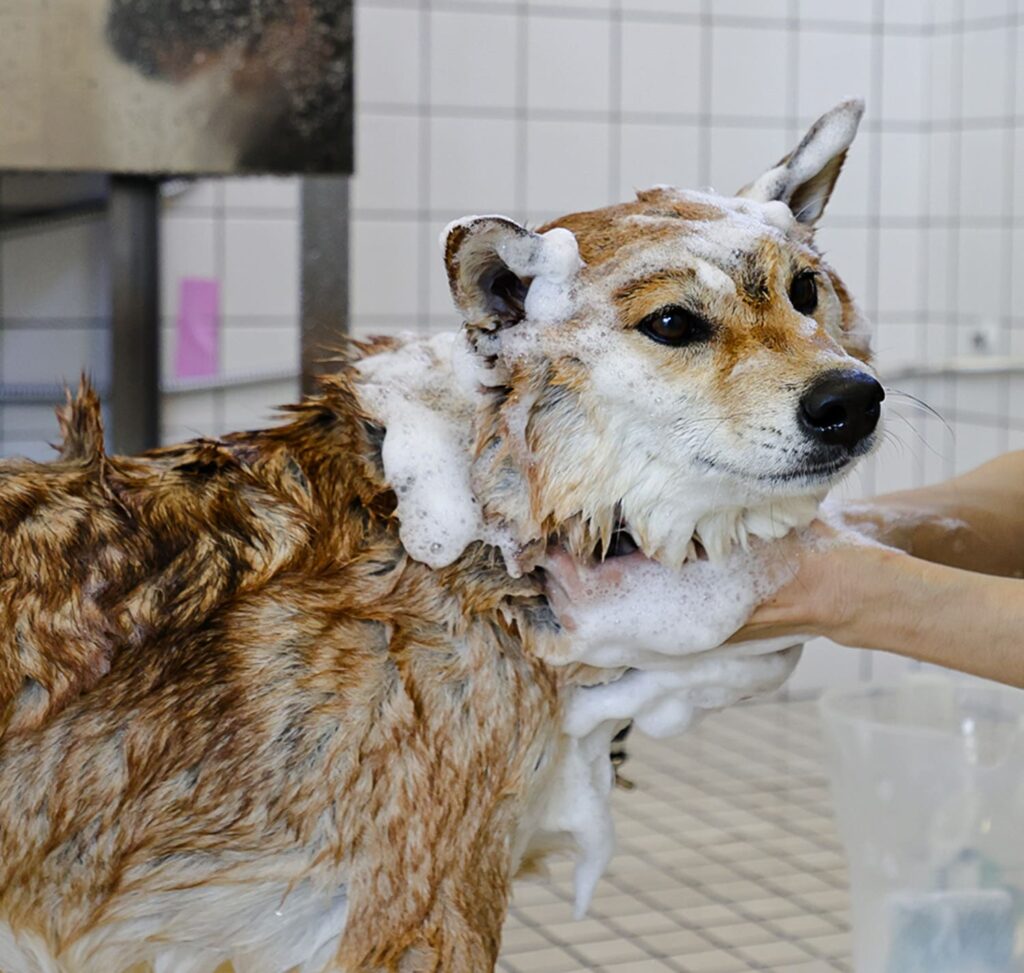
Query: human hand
column 828, row 562
column 631, row 611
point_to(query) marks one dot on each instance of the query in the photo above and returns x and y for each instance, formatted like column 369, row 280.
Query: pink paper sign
column 196, row 352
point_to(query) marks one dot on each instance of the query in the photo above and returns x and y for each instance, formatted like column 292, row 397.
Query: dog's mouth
column 624, row 544
column 809, row 473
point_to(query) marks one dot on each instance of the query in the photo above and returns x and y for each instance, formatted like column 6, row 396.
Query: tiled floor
column 727, row 861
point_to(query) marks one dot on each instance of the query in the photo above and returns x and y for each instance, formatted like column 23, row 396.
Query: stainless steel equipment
column 131, row 91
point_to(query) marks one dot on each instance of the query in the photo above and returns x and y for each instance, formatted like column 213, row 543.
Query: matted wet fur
column 220, row 670
column 238, row 720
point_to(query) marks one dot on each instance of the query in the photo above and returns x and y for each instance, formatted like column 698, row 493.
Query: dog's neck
column 461, row 453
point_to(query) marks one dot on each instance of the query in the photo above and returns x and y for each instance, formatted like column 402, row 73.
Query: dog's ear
column 804, row 179
column 492, row 262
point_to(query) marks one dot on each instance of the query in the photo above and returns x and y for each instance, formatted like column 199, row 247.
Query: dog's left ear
column 493, row 263
column 804, row 179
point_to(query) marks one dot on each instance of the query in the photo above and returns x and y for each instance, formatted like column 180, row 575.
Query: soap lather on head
column 685, row 369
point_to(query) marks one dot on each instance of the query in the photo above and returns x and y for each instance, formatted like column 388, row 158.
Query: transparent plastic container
column 928, row 786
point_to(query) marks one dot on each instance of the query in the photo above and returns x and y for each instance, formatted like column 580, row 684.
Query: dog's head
column 684, row 366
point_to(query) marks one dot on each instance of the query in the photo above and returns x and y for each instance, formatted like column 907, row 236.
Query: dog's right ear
column 492, row 263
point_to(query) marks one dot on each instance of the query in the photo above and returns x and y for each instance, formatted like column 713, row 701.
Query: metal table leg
column 135, row 312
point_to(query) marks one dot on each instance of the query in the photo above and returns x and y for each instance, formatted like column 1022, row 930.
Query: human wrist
column 861, row 583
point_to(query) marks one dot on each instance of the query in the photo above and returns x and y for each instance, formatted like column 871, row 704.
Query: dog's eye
column 803, row 292
column 675, row 326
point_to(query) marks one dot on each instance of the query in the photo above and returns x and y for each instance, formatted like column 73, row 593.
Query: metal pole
column 324, row 318
column 135, row 312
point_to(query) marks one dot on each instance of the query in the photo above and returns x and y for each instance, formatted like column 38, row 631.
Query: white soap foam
column 423, row 395
column 635, row 612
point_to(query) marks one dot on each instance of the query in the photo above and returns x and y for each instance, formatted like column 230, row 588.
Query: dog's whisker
column 920, row 404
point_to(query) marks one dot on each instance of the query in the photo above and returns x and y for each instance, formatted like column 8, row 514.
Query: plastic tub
column 928, row 786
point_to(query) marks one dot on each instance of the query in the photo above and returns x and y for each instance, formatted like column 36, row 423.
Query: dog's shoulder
column 99, row 554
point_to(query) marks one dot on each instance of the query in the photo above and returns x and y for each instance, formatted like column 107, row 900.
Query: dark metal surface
column 135, row 313
column 176, row 86
column 324, row 318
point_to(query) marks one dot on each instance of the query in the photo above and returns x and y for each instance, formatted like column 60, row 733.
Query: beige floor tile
column 720, row 870
column 641, row 966
column 714, row 962
column 544, row 961
column 681, row 942
column 773, row 954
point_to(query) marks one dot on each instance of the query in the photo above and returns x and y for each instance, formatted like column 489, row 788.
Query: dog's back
column 233, row 712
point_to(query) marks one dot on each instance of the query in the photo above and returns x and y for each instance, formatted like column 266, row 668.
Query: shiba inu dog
column 297, row 699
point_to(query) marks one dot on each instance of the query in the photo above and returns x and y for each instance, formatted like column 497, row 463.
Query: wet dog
column 296, row 698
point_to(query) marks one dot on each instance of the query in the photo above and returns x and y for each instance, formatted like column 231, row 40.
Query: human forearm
column 871, row 597
column 934, row 613
column 974, row 522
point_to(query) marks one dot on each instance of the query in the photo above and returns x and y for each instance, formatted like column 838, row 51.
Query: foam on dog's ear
column 493, row 264
column 805, row 178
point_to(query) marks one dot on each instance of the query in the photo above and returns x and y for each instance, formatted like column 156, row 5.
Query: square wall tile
column 246, row 351
column 678, row 8
column 979, row 395
column 567, row 166
column 472, row 59
column 907, row 13
column 253, row 407
column 898, row 344
column 944, row 70
column 831, row 66
column 55, row 355
column 387, row 175
column 261, row 270
column 976, row 444
column 740, row 155
column 653, row 155
column 772, row 9
column 739, row 55
column 984, row 173
column 188, row 248
column 987, row 9
column 856, row 11
column 385, row 257
column 985, row 73
column 899, row 269
column 388, row 61
column 940, row 167
column 661, row 67
column 263, row 192
column 904, row 93
column 903, row 189
column 568, row 63
column 980, row 272
column 189, row 414
column 473, row 165
column 57, row 272
column 1017, row 288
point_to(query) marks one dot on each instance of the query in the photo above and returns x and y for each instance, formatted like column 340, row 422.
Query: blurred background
column 538, row 107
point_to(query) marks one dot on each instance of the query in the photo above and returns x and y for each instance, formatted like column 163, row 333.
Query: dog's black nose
column 841, row 408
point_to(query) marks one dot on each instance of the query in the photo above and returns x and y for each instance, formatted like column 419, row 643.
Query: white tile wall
column 536, row 107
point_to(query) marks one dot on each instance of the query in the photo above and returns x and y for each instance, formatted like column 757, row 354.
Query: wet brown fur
column 219, row 654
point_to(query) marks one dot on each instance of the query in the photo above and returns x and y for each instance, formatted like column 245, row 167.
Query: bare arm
column 943, row 604
column 974, row 521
